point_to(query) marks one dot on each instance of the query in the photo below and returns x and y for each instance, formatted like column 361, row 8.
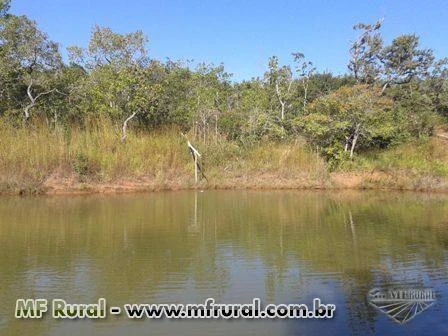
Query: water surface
column 183, row 247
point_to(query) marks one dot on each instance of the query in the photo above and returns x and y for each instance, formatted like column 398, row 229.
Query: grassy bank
column 419, row 165
column 36, row 160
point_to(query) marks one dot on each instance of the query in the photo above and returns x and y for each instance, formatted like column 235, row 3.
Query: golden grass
column 37, row 159
column 33, row 156
column 419, row 165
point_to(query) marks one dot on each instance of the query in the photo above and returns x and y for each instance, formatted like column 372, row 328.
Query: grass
column 37, row 159
column 419, row 165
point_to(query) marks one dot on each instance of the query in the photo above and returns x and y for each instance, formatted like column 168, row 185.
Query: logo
column 402, row 305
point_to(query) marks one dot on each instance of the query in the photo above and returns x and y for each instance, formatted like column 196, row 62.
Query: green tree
column 280, row 80
column 436, row 86
column 109, row 48
column 414, row 111
column 398, row 63
column 120, row 83
column 305, row 70
column 365, row 53
column 29, row 55
column 348, row 118
column 4, row 7
column 404, row 61
column 252, row 113
column 208, row 98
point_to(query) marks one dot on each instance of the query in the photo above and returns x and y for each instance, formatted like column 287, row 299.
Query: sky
column 242, row 34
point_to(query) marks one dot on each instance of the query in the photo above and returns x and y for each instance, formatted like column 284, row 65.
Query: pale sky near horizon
column 242, row 34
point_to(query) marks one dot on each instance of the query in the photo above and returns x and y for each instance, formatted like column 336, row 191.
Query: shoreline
column 337, row 181
column 46, row 164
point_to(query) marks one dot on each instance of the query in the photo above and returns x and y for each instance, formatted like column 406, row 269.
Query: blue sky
column 242, row 34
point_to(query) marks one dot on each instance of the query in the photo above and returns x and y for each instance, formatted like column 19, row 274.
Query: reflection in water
column 183, row 247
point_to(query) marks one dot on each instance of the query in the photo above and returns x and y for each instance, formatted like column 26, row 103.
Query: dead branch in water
column 198, row 167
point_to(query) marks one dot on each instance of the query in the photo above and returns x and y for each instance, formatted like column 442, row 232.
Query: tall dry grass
column 33, row 155
column 418, row 165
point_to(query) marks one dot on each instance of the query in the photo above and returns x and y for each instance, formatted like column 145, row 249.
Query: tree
column 119, row 94
column 365, row 53
column 123, row 83
column 109, row 48
column 348, row 118
column 27, row 52
column 305, row 71
column 403, row 61
column 251, row 118
column 398, row 63
column 135, row 94
column 320, row 84
column 114, row 79
column 119, row 84
column 281, row 79
column 413, row 109
column 436, row 86
column 4, row 7
column 207, row 97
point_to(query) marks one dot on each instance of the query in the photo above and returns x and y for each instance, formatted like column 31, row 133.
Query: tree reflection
column 172, row 247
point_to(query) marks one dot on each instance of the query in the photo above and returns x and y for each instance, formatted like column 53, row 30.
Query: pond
column 284, row 247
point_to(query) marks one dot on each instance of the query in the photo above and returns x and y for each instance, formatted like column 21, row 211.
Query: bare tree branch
column 125, row 126
column 34, row 99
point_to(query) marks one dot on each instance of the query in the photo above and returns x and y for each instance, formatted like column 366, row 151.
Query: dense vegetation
column 393, row 94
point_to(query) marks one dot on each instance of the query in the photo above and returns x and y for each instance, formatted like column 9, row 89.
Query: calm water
column 183, row 247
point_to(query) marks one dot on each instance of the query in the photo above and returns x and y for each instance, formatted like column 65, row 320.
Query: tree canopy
column 392, row 92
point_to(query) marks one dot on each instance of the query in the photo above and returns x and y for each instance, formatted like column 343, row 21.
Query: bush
column 357, row 117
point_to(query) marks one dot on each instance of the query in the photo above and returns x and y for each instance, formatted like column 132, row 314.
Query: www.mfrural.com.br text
column 209, row 309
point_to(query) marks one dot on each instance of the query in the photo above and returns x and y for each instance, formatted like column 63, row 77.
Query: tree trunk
column 125, row 126
column 305, row 94
column 33, row 100
column 282, row 115
column 355, row 139
column 282, row 103
column 346, row 144
column 31, row 104
column 384, row 87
